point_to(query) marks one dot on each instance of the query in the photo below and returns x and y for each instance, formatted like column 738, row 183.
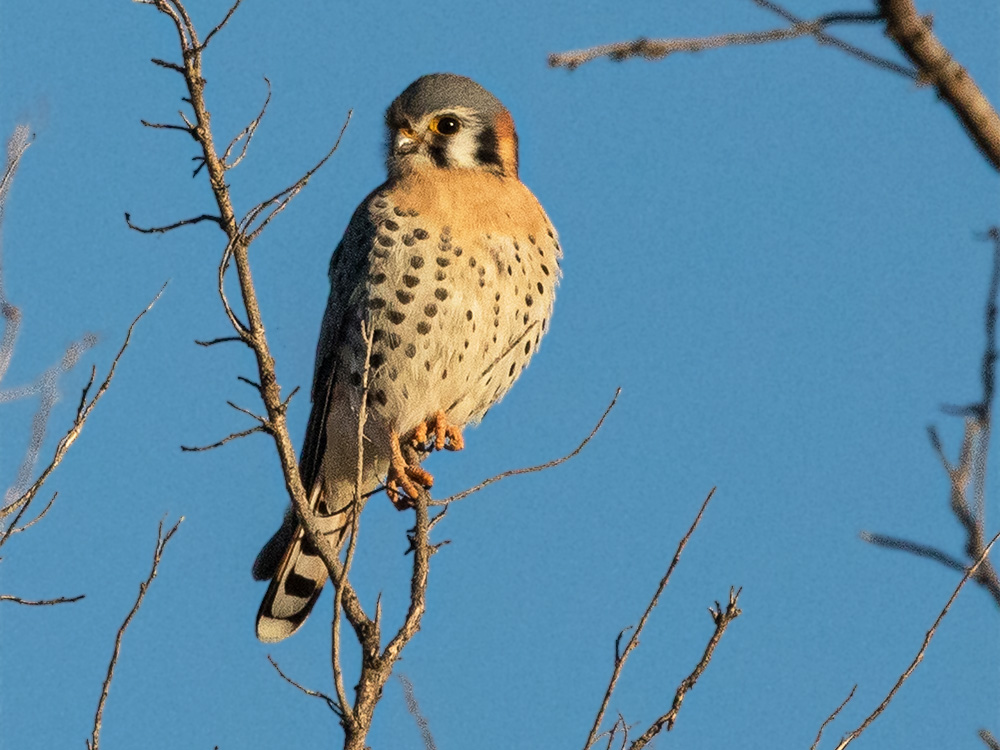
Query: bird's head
column 446, row 121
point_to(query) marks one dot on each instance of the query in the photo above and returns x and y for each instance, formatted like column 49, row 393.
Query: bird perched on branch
column 450, row 268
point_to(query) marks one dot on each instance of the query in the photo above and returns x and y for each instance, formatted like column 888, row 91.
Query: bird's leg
column 403, row 475
column 445, row 435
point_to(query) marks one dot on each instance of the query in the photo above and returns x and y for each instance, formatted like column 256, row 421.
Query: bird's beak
column 406, row 141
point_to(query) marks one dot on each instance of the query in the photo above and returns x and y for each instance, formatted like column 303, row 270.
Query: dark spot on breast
column 379, row 203
column 549, row 232
column 531, row 239
column 497, row 296
column 468, row 314
column 385, row 240
column 398, row 211
column 376, row 303
column 408, row 240
column 391, row 225
column 443, row 262
column 417, row 262
column 482, row 283
column 525, row 318
column 516, row 246
column 395, row 316
column 427, row 365
column 444, row 374
column 413, row 212
column 528, row 300
column 510, row 271
column 394, row 341
column 377, row 360
column 544, row 323
column 378, row 335
column 431, row 310
column 441, row 293
column 377, row 278
column 458, row 251
column 410, row 351
column 545, row 269
column 541, row 289
column 410, row 281
column 404, row 296
column 439, row 275
column 420, row 234
column 513, row 366
column 496, row 309
column 472, row 262
column 496, row 324
column 393, row 373
column 466, row 344
column 423, row 327
column 527, row 347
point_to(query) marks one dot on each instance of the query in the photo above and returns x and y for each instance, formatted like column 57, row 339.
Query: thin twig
column 247, row 133
column 82, row 414
column 831, row 717
column 920, row 550
column 40, row 602
column 532, row 469
column 219, row 26
column 657, row 49
column 330, row 702
column 634, row 640
column 414, row 708
column 721, row 617
column 170, row 227
column 849, row 738
column 219, row 444
column 161, row 544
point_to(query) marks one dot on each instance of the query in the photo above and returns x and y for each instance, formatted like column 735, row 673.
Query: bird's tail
column 298, row 575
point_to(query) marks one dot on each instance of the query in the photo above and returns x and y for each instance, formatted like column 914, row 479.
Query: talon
column 446, row 435
column 405, row 477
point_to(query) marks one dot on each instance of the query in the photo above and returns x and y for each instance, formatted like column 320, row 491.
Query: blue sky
column 774, row 251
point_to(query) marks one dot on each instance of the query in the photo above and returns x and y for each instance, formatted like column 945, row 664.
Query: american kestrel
column 451, row 265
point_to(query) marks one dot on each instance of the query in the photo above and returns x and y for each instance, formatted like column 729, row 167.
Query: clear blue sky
column 773, row 251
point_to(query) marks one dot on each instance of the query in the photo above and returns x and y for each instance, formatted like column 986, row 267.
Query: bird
column 444, row 282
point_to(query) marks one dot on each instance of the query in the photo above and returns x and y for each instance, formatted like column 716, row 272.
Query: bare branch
column 219, row 26
column 831, row 717
column 165, row 126
column 220, row 340
column 86, row 407
column 40, row 602
column 532, row 469
column 849, row 738
column 330, row 702
column 988, row 739
column 722, row 618
column 912, row 33
column 920, row 550
column 161, row 544
column 247, row 134
column 634, row 640
column 414, row 708
column 656, row 49
column 219, row 444
column 283, row 198
column 167, row 65
column 169, row 227
column 13, row 527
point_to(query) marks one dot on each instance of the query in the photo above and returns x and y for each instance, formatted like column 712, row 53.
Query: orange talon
column 402, row 475
column 420, row 436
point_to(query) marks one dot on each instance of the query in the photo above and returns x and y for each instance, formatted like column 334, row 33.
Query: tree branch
column 620, row 659
column 161, row 543
column 913, row 34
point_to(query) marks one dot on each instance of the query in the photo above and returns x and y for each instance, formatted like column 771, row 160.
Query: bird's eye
column 446, row 125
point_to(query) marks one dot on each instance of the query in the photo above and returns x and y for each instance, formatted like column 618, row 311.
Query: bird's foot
column 445, row 435
column 404, row 476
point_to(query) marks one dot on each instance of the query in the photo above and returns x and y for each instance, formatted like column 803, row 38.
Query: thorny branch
column 968, row 477
column 622, row 656
column 161, row 543
column 970, row 573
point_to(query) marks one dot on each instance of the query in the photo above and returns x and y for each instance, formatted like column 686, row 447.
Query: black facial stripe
column 488, row 147
column 438, row 151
